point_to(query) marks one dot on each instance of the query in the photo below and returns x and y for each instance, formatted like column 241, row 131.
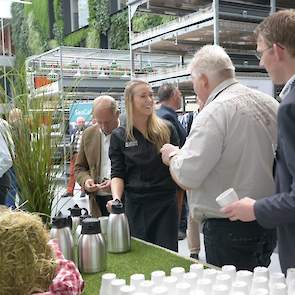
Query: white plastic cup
column 116, row 285
column 290, row 275
column 170, row 282
column 259, row 282
column 259, row 292
column 205, row 285
column 197, row 268
column 136, row 279
column 227, row 197
column 160, row 290
column 178, row 272
column 230, row 270
column 276, row 277
column 210, row 273
column 105, row 287
column 260, row 271
column 244, row 276
column 146, row 286
column 157, row 277
column 198, row 292
column 278, row 289
column 220, row 290
column 191, row 278
column 240, row 286
column 223, row 279
column 127, row 290
column 103, row 221
column 183, row 288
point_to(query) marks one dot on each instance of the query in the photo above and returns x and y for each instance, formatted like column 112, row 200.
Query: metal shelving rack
column 75, row 74
column 198, row 22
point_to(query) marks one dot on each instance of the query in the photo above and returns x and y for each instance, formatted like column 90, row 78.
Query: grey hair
column 105, row 101
column 211, row 60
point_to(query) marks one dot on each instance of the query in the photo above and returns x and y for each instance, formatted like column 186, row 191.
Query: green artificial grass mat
column 142, row 258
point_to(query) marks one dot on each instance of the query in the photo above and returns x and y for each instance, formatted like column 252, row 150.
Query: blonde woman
column 138, row 172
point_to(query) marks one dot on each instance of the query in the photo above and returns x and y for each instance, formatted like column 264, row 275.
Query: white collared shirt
column 286, row 89
column 105, row 162
column 219, row 88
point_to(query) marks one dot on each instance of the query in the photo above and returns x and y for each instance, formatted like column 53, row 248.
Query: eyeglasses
column 259, row 54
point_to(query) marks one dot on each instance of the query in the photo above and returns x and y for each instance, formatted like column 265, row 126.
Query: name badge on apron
column 131, row 143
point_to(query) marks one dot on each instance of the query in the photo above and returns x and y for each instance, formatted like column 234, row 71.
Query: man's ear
column 205, row 81
column 279, row 52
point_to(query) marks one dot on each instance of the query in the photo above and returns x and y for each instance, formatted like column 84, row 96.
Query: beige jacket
column 230, row 145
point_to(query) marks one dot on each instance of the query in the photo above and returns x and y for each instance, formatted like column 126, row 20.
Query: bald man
column 93, row 166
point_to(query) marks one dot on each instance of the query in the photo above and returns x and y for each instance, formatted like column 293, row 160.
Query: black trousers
column 243, row 244
column 153, row 218
column 102, row 203
column 4, row 187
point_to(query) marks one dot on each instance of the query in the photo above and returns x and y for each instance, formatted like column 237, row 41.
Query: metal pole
column 61, row 90
column 272, row 6
column 130, row 45
column 216, row 21
column 3, row 53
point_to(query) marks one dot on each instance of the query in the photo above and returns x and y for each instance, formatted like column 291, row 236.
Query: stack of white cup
column 200, row 281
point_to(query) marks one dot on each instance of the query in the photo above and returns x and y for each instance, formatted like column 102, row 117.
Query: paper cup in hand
column 227, row 197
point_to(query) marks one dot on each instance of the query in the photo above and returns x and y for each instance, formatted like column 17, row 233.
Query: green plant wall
column 30, row 27
column 40, row 10
column 118, row 34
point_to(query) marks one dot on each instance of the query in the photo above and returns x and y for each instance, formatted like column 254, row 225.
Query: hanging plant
column 58, row 26
column 35, row 42
column 118, row 33
column 20, row 32
column 102, row 16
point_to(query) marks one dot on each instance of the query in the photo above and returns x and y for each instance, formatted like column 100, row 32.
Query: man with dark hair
column 170, row 99
column 276, row 50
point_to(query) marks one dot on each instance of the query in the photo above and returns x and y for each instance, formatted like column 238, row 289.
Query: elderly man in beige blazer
column 92, row 167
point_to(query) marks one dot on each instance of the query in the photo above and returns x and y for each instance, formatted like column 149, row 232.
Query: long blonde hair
column 157, row 130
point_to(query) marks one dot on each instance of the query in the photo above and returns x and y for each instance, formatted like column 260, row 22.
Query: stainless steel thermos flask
column 61, row 231
column 91, row 247
column 118, row 233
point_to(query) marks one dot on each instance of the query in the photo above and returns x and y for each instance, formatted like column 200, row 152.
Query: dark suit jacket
column 170, row 115
column 87, row 164
column 279, row 210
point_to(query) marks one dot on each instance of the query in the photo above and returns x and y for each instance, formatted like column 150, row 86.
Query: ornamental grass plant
column 36, row 159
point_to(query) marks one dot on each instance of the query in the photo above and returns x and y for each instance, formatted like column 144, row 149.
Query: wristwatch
column 172, row 154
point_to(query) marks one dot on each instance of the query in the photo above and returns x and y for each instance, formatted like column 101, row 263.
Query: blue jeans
column 243, row 244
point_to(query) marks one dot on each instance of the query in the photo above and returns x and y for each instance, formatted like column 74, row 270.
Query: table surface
column 143, row 258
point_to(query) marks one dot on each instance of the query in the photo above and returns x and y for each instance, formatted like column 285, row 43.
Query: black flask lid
column 90, row 226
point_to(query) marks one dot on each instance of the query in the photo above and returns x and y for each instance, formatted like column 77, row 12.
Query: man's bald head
column 106, row 114
column 105, row 102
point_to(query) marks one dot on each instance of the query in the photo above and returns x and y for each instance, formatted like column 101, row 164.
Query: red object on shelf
column 40, row 81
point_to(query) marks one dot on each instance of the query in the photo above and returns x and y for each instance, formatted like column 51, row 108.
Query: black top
column 169, row 114
column 139, row 164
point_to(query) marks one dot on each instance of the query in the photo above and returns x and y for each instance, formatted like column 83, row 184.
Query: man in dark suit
column 170, row 99
column 276, row 50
